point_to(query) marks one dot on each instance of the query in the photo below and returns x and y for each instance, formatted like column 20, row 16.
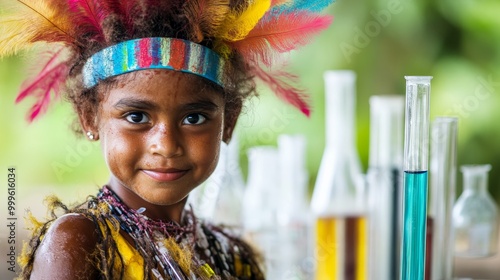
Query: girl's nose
column 165, row 141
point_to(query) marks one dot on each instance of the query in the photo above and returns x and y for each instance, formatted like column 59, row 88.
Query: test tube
column 416, row 152
column 442, row 183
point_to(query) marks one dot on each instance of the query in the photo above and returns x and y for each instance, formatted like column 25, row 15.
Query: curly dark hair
column 167, row 20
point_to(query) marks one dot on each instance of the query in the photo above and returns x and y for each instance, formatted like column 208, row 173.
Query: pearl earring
column 90, row 135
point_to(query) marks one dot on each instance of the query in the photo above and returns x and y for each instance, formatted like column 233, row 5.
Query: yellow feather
column 33, row 223
column 30, row 22
column 238, row 24
column 181, row 254
column 24, row 258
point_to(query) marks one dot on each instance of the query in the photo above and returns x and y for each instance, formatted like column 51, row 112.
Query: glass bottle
column 415, row 166
column 475, row 215
column 385, row 184
column 442, row 184
column 339, row 202
column 293, row 210
column 293, row 179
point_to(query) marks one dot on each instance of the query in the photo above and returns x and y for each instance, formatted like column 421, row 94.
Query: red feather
column 51, row 77
column 281, row 34
column 278, row 82
column 89, row 15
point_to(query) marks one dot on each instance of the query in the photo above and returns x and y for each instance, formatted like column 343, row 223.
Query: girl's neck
column 153, row 211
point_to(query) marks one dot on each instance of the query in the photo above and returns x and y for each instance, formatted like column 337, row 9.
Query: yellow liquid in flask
column 341, row 248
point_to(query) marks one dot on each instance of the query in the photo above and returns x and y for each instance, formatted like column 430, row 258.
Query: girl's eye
column 137, row 117
column 194, row 119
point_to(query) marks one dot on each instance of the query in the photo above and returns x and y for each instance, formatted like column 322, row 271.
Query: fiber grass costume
column 195, row 250
column 86, row 45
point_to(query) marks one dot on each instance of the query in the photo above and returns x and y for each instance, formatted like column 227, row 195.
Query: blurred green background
column 457, row 42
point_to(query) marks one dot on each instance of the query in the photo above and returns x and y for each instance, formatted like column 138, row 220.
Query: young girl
column 160, row 84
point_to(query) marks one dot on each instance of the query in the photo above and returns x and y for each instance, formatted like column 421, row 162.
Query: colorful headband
column 153, row 53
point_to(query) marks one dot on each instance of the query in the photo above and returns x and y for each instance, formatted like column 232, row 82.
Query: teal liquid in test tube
column 416, row 159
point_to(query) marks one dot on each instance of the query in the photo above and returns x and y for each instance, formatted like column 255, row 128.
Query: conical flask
column 475, row 215
column 385, row 184
column 338, row 201
column 442, row 184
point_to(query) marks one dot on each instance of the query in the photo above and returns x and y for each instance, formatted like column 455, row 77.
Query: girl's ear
column 88, row 122
column 230, row 120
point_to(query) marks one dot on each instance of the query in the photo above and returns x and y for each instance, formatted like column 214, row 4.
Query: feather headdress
column 257, row 30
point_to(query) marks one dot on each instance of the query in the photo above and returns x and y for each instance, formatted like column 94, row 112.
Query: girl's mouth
column 165, row 175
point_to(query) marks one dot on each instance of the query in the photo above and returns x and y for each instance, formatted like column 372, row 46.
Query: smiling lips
column 165, row 175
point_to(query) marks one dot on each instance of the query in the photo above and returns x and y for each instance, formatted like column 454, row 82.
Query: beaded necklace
column 151, row 236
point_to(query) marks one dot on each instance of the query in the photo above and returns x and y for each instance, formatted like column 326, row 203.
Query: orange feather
column 280, row 34
column 34, row 21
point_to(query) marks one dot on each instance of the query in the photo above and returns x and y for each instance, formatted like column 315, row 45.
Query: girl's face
column 160, row 133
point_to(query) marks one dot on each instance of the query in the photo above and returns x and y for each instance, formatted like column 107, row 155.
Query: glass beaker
column 475, row 215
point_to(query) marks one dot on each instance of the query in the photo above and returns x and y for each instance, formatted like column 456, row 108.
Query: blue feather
column 301, row 5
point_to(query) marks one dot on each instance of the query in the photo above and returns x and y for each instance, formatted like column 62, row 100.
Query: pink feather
column 51, row 77
column 90, row 15
column 281, row 34
column 278, row 82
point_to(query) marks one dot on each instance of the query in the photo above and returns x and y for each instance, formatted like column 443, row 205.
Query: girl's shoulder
column 71, row 230
column 65, row 249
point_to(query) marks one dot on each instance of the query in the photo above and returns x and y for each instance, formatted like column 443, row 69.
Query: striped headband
column 153, row 53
